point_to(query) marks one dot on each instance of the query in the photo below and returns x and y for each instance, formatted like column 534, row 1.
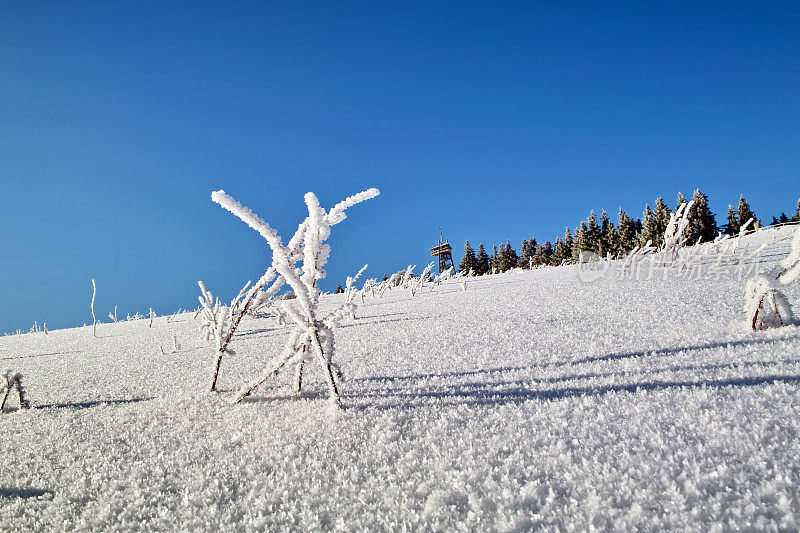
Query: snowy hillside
column 529, row 400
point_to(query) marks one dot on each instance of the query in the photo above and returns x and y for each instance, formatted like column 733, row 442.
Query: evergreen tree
column 385, row 277
column 796, row 217
column 608, row 237
column 775, row 220
column 544, row 255
column 648, row 231
column 745, row 213
column 494, row 261
column 469, row 261
column 733, row 225
column 581, row 241
column 783, row 218
column 482, row 261
column 663, row 214
column 626, row 233
column 561, row 252
column 569, row 242
column 702, row 225
column 508, row 258
column 594, row 239
column 527, row 250
column 339, row 289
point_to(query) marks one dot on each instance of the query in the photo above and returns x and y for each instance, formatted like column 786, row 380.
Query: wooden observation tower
column 444, row 251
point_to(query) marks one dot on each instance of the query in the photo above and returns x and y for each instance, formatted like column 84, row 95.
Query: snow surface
column 529, row 400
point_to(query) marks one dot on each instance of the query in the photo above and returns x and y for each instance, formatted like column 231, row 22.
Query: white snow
column 529, row 400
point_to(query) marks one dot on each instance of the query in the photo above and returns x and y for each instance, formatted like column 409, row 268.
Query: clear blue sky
column 495, row 120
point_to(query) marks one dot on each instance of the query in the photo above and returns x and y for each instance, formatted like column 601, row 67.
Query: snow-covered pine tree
column 482, row 262
column 732, row 227
column 594, row 235
column 662, row 216
column 561, row 252
column 626, row 233
column 581, row 241
column 500, row 259
column 494, row 259
column 702, row 222
column 608, row 236
column 648, row 227
column 569, row 242
column 527, row 250
column 796, row 217
column 469, row 260
column 745, row 213
column 509, row 258
column 544, row 254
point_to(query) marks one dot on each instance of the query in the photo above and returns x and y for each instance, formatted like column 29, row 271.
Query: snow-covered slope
column 532, row 399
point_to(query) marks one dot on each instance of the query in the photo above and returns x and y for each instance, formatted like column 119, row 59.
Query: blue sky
column 495, row 120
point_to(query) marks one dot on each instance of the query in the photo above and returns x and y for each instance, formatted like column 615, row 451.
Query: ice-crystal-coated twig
column 220, row 323
column 766, row 306
column 13, row 380
column 311, row 336
column 94, row 318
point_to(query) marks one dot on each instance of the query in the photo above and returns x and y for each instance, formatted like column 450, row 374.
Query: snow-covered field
column 530, row 400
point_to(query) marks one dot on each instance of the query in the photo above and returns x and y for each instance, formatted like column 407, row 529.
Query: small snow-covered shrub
column 765, row 304
column 10, row 381
column 311, row 335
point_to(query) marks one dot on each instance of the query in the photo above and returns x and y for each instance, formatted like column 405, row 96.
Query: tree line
column 604, row 237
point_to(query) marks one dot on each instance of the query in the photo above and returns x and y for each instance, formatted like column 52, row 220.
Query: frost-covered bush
column 765, row 304
column 10, row 381
column 311, row 335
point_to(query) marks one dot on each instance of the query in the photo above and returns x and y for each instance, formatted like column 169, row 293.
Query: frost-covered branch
column 766, row 306
column 94, row 318
column 219, row 323
column 10, row 381
column 310, row 336
column 674, row 235
column 419, row 284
